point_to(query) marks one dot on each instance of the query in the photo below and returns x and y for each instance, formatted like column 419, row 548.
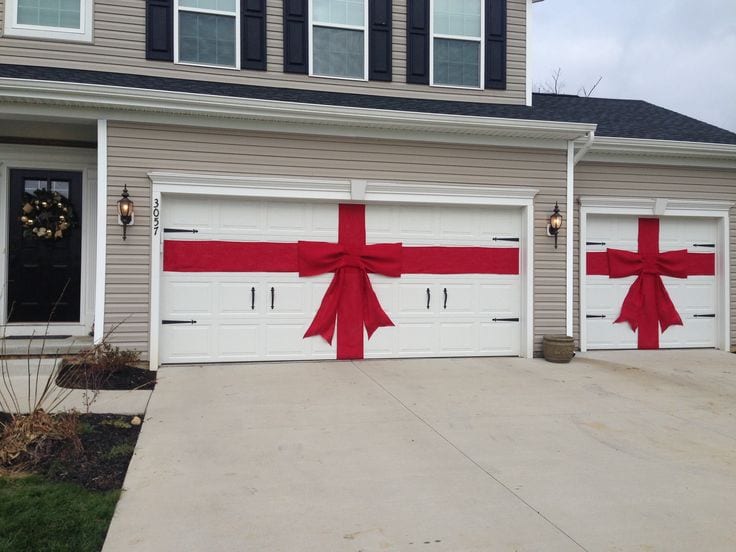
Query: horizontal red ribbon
column 226, row 256
column 698, row 264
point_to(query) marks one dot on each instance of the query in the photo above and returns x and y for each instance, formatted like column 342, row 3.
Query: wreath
column 46, row 215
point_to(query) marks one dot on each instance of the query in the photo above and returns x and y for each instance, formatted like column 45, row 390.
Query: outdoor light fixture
column 555, row 223
column 125, row 211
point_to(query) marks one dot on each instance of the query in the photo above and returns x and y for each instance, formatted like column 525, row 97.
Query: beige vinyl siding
column 135, row 149
column 653, row 181
column 119, row 46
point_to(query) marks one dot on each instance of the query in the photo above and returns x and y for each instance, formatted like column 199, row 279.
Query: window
column 456, row 44
column 50, row 19
column 338, row 39
column 207, row 32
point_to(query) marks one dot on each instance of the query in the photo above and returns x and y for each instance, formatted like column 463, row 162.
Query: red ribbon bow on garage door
column 647, row 305
column 350, row 290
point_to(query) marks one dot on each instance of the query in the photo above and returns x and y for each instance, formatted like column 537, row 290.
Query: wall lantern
column 555, row 223
column 125, row 211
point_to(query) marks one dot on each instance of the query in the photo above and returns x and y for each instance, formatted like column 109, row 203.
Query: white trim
column 138, row 103
column 81, row 34
column 61, row 159
column 528, row 16
column 101, row 258
column 481, row 47
column 335, row 190
column 311, row 23
column 236, row 15
column 718, row 210
column 662, row 152
column 569, row 239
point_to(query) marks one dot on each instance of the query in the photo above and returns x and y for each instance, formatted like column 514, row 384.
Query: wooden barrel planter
column 558, row 348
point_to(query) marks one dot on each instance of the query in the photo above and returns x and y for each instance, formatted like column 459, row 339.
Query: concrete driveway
column 615, row 451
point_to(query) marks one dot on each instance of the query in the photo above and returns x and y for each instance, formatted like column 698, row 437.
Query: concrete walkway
column 615, row 451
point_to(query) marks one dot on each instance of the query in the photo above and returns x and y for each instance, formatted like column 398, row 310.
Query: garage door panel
column 238, row 341
column 289, row 299
column 187, row 343
column 458, row 338
column 238, row 299
column 285, row 339
column 696, row 332
column 694, row 295
column 417, row 338
column 239, row 215
column 604, row 334
column 499, row 338
column 459, row 298
column 185, row 298
column 499, row 296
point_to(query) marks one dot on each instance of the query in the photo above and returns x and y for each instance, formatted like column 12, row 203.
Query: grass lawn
column 40, row 515
column 36, row 514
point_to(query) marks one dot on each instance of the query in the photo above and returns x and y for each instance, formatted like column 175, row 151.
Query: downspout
column 572, row 160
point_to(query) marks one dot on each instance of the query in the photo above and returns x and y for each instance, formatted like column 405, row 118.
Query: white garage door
column 247, row 316
column 693, row 296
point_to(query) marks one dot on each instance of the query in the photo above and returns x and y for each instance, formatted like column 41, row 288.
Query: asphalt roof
column 615, row 118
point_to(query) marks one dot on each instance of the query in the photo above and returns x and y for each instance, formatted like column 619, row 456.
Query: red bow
column 351, row 266
column 647, row 296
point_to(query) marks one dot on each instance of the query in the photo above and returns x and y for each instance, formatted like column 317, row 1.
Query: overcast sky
column 679, row 54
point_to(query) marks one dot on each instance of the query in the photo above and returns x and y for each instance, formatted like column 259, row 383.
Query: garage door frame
column 717, row 210
column 165, row 184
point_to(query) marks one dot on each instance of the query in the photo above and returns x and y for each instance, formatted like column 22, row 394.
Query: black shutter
column 496, row 44
column 379, row 40
column 417, row 42
column 295, row 36
column 160, row 30
column 253, row 34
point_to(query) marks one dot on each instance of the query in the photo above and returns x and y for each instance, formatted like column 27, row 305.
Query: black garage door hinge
column 505, row 319
column 178, row 322
column 595, row 243
column 506, row 239
column 595, row 316
column 704, row 245
column 704, row 315
column 180, row 230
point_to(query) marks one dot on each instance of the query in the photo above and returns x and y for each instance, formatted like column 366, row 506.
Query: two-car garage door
column 263, row 315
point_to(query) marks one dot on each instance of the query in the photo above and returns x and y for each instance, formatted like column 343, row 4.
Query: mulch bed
column 79, row 376
column 107, row 447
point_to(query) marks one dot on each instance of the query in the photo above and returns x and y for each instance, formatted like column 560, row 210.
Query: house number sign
column 156, row 212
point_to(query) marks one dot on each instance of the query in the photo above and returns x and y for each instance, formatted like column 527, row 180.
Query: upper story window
column 338, row 38
column 207, row 32
column 456, row 43
column 50, row 19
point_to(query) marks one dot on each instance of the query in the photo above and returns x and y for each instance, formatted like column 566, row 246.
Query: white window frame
column 481, row 43
column 81, row 34
column 178, row 9
column 363, row 28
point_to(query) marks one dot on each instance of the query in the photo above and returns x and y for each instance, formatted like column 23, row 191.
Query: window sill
column 207, row 66
column 457, row 87
column 332, row 77
column 48, row 34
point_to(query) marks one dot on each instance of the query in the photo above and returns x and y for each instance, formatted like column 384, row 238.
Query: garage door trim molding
column 341, row 190
column 713, row 209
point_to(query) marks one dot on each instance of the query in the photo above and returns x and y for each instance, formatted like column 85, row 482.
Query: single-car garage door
column 650, row 282
column 258, row 274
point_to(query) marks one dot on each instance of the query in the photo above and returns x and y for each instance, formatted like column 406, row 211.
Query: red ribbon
column 350, row 303
column 647, row 305
column 351, row 267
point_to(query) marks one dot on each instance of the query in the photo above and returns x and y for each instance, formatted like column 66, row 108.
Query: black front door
column 44, row 273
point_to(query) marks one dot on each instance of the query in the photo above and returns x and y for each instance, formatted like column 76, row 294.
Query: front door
column 44, row 246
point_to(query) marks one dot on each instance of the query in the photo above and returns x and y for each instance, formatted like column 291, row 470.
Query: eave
column 92, row 101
